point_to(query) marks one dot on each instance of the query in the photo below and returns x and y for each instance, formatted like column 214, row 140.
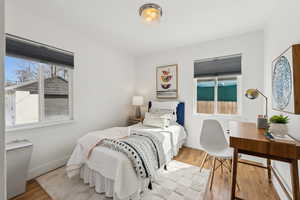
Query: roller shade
column 33, row 50
column 218, row 66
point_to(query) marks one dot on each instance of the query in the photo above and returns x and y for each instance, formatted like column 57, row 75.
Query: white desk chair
column 214, row 143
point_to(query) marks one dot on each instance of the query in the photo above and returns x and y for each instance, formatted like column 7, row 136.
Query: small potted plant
column 278, row 125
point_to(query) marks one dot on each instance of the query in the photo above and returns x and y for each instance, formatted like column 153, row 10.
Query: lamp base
column 138, row 112
column 262, row 122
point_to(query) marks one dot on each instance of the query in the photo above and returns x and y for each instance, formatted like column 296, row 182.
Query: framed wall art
column 167, row 81
column 286, row 81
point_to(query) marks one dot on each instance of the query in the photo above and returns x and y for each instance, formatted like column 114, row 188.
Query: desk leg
column 234, row 173
column 295, row 180
column 269, row 170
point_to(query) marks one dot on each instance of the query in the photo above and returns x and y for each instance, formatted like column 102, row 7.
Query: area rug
column 180, row 182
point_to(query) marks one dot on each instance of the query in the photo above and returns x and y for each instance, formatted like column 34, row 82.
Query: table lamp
column 262, row 122
column 137, row 101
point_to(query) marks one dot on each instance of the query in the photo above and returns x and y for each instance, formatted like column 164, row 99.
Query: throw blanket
column 144, row 150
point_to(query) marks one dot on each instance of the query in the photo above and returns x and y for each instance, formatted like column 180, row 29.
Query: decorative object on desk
column 137, row 101
column 285, row 138
column 166, row 81
column 278, row 125
column 262, row 121
column 286, row 81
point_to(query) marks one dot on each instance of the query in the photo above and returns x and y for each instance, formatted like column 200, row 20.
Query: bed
column 111, row 172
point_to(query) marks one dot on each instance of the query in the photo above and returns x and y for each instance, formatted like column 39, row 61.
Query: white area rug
column 181, row 182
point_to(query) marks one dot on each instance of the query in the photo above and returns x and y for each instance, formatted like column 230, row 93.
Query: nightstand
column 134, row 120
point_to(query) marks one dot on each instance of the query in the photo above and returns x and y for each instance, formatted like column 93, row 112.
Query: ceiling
column 184, row 22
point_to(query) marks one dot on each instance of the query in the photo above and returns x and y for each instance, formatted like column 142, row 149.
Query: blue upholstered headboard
column 179, row 112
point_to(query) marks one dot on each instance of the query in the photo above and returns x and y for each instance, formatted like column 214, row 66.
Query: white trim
column 2, row 106
column 71, row 94
column 239, row 94
column 41, row 93
column 39, row 125
column 218, row 58
column 216, row 95
column 218, row 115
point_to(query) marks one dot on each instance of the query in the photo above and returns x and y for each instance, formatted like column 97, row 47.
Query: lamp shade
column 252, row 93
column 137, row 100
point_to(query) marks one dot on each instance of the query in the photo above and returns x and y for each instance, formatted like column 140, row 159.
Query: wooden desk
column 245, row 138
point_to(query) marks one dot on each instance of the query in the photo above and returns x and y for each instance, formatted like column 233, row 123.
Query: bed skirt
column 105, row 185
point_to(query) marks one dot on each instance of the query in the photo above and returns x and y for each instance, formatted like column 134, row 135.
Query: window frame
column 216, row 78
column 41, row 98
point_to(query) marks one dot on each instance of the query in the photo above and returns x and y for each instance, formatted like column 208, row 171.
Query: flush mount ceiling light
column 150, row 12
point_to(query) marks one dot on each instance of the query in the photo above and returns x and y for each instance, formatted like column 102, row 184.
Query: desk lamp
column 262, row 122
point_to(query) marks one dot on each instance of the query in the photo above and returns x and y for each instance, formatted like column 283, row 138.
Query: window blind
column 21, row 47
column 228, row 65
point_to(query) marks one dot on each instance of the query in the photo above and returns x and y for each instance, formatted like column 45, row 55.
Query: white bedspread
column 87, row 143
column 116, row 166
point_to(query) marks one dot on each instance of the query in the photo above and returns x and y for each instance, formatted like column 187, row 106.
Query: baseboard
column 40, row 170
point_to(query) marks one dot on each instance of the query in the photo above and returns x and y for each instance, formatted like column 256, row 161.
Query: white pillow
column 170, row 113
column 156, row 120
column 170, row 105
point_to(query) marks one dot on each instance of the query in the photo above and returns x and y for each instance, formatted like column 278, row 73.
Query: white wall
column 2, row 134
column 103, row 87
column 282, row 31
column 251, row 47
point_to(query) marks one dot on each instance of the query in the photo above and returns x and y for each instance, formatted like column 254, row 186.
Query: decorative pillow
column 170, row 105
column 156, row 120
column 167, row 112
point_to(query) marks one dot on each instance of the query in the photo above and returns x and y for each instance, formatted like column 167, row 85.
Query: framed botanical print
column 286, row 81
column 167, row 81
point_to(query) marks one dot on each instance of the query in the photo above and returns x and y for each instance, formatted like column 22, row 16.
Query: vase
column 279, row 130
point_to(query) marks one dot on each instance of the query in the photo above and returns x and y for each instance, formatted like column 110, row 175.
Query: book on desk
column 285, row 138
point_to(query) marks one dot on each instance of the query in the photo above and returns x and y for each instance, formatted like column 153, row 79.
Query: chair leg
column 213, row 173
column 222, row 166
column 203, row 161
column 227, row 166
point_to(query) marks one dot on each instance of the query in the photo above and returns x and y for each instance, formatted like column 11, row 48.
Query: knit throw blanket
column 144, row 150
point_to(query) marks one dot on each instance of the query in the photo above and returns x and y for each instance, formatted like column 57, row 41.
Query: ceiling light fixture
column 150, row 12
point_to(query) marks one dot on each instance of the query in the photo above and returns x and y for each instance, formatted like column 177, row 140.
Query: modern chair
column 214, row 143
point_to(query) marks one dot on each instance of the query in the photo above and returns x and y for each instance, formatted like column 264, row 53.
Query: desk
column 245, row 138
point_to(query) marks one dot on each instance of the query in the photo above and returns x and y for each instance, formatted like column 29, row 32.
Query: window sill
column 217, row 115
column 39, row 125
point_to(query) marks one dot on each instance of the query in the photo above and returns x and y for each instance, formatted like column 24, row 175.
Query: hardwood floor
column 33, row 192
column 253, row 181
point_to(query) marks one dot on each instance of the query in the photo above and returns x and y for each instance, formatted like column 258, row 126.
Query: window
column 21, row 91
column 217, row 85
column 217, row 95
column 206, row 96
column 56, row 92
column 36, row 91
